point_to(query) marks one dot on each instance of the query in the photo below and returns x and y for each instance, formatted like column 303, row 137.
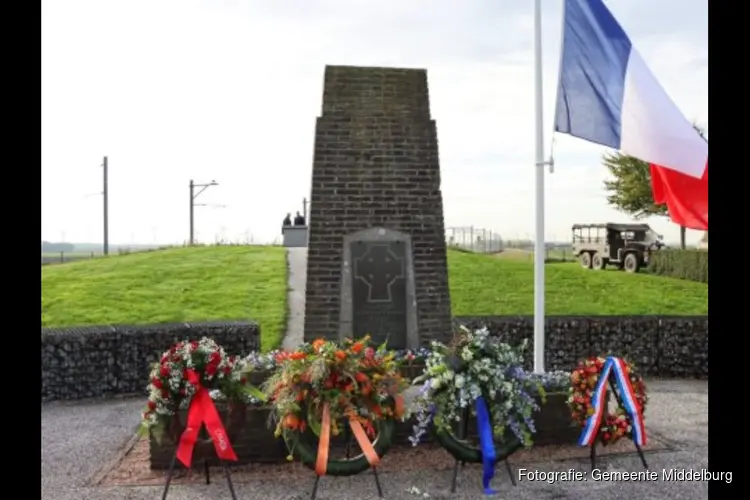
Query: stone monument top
column 376, row 253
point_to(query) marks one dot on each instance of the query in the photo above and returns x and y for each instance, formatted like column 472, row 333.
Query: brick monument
column 376, row 252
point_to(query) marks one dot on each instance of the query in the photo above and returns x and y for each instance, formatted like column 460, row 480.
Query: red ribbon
column 202, row 411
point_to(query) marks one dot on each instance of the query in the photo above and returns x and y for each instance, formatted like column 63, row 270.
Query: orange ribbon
column 202, row 411
column 399, row 409
column 324, row 444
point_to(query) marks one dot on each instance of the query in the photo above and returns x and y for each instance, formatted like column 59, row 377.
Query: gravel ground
column 80, row 440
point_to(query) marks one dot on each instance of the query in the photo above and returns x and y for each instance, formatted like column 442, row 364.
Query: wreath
column 325, row 393
column 615, row 424
column 476, row 367
column 170, row 388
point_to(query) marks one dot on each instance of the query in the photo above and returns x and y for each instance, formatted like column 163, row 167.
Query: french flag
column 607, row 95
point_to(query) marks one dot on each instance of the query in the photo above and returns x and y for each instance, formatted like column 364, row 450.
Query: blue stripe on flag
column 592, row 74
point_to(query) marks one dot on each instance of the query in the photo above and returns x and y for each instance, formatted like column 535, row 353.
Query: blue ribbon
column 487, row 443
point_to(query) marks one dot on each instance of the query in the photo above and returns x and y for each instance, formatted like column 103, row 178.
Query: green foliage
column 630, row 187
column 689, row 265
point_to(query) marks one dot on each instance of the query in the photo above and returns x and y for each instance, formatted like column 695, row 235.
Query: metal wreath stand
column 638, row 448
column 349, row 439
column 224, row 463
column 462, row 432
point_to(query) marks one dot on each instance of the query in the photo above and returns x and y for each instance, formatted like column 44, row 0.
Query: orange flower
column 340, row 355
column 291, row 421
column 361, row 377
column 357, row 347
column 296, row 356
column 318, row 344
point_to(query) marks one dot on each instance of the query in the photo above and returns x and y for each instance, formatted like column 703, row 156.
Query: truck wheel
column 598, row 262
column 585, row 259
column 631, row 263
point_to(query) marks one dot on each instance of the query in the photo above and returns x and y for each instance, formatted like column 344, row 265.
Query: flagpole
column 539, row 246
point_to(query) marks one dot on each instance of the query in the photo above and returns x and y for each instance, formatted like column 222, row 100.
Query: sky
column 229, row 90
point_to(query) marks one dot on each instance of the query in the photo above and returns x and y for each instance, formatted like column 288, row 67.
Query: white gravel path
column 296, row 259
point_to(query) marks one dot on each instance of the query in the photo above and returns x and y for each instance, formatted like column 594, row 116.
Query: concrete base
column 294, row 236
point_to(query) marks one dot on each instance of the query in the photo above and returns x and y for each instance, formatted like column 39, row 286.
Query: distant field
column 236, row 282
column 175, row 285
column 70, row 254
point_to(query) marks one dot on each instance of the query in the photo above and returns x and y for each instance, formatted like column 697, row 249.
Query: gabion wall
column 99, row 361
column 659, row 346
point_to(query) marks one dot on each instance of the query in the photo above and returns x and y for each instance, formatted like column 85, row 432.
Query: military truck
column 626, row 246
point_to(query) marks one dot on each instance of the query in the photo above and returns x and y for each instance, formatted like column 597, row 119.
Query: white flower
column 459, row 381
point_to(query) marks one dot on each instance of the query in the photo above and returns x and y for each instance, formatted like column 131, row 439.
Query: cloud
column 230, row 90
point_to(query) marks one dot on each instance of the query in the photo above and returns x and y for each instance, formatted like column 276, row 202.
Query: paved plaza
column 82, row 440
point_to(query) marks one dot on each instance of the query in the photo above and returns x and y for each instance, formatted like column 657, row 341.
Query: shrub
column 683, row 264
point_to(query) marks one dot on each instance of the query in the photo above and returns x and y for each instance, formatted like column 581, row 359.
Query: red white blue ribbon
column 615, row 366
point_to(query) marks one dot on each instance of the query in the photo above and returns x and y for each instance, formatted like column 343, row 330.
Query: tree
column 629, row 190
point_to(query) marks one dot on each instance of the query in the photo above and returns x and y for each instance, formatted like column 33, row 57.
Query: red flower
column 194, row 344
column 151, row 405
column 361, row 377
column 214, row 357
column 211, row 370
column 282, row 356
column 227, row 369
column 164, row 370
column 156, row 383
column 164, row 393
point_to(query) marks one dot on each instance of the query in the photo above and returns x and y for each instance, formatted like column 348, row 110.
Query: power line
column 105, row 207
column 193, row 196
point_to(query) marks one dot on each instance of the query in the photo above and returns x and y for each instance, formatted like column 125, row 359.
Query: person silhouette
column 287, row 220
column 299, row 220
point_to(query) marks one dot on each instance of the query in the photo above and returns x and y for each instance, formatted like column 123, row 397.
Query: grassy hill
column 487, row 285
column 174, row 285
column 236, row 282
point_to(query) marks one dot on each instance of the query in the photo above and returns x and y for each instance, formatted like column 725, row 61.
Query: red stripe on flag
column 686, row 197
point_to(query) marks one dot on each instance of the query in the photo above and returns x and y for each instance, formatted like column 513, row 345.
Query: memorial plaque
column 379, row 292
